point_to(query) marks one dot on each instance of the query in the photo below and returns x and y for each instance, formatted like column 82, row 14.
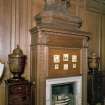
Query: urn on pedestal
column 18, row 89
column 17, row 62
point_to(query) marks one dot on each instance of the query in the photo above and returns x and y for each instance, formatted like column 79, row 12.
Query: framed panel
column 64, row 62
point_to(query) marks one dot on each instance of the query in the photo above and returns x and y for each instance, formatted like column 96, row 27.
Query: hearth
column 64, row 91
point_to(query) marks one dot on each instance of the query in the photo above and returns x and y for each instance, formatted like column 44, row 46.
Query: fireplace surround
column 64, row 91
column 58, row 52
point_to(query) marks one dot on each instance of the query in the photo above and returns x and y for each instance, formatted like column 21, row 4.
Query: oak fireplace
column 58, row 56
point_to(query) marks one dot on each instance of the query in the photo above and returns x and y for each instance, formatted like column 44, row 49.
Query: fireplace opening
column 64, row 91
column 63, row 94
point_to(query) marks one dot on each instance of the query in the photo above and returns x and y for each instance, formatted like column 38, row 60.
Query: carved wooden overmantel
column 57, row 32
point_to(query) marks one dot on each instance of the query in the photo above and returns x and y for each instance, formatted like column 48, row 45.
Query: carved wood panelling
column 93, row 26
column 103, row 43
column 5, row 20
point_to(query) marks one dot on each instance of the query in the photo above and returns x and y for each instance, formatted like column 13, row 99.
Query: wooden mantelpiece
column 56, row 35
